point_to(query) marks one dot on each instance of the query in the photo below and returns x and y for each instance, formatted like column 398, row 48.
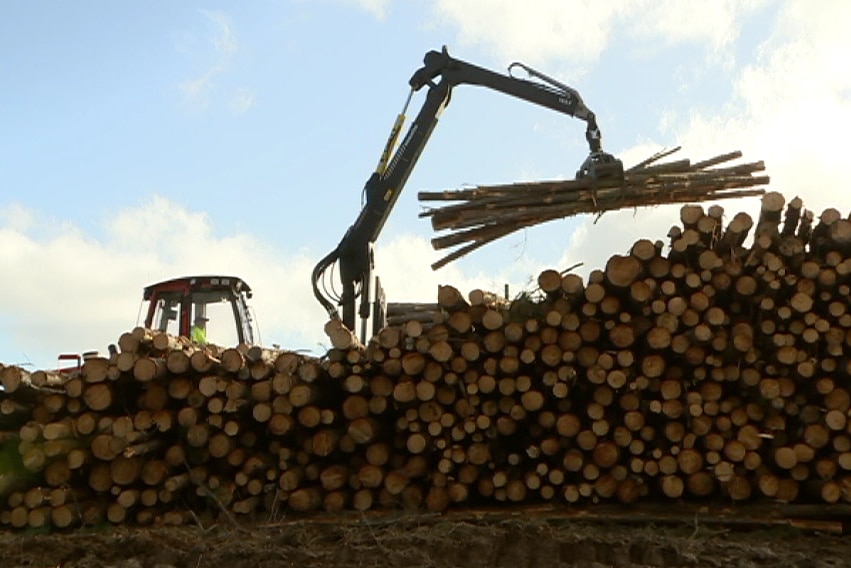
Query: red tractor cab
column 173, row 306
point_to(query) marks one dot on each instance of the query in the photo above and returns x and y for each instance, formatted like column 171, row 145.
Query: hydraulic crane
column 440, row 73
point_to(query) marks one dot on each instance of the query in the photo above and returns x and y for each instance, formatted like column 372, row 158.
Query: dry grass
column 429, row 541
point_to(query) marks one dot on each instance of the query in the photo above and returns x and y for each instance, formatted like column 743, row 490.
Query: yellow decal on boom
column 388, row 194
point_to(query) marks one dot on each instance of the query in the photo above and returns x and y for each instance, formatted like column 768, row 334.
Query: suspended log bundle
column 696, row 370
column 486, row 213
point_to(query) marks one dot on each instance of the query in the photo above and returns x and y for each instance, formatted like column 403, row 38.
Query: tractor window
column 221, row 327
column 216, row 305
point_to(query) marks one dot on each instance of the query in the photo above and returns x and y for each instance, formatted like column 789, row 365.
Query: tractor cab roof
column 192, row 283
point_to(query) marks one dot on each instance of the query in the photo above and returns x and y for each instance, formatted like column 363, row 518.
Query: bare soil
column 432, row 541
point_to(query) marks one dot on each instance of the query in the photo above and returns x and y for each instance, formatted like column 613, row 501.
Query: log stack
column 698, row 369
column 475, row 217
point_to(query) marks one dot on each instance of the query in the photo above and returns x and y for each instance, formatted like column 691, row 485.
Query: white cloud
column 224, row 39
column 533, row 30
column 675, row 21
column 198, row 90
column 578, row 32
column 377, row 8
column 242, row 101
column 792, row 105
column 93, row 290
column 404, row 266
column 16, row 217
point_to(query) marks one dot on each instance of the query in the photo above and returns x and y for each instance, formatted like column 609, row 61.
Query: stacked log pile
column 698, row 369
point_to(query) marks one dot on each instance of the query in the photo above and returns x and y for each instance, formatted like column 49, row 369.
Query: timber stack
column 698, row 369
column 475, row 217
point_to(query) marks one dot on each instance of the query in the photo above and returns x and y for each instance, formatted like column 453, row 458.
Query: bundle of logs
column 486, row 213
column 698, row 370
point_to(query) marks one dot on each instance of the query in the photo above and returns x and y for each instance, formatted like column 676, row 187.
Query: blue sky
column 140, row 142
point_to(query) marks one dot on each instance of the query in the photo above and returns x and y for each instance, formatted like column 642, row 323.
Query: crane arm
column 440, row 73
column 354, row 252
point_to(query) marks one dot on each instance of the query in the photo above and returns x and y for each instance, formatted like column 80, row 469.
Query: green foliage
column 525, row 305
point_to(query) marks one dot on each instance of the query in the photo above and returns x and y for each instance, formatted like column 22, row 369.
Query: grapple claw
column 601, row 166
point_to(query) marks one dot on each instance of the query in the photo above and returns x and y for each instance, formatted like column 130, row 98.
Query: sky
column 145, row 141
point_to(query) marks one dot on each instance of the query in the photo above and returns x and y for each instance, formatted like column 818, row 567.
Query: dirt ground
column 433, row 541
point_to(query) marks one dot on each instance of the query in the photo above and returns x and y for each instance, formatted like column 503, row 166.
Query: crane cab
column 173, row 305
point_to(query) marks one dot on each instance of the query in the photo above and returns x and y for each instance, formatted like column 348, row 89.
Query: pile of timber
column 486, row 213
column 700, row 370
